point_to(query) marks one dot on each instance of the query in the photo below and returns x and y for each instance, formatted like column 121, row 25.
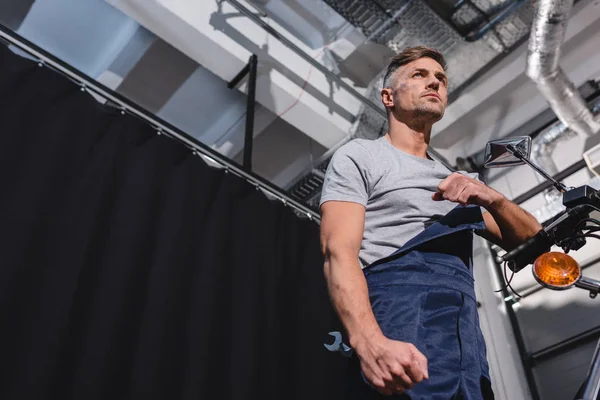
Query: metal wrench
column 337, row 345
column 346, row 351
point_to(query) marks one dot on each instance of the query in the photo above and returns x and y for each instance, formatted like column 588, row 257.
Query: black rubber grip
column 527, row 252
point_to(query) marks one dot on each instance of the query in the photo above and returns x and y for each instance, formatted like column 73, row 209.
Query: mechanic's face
column 419, row 92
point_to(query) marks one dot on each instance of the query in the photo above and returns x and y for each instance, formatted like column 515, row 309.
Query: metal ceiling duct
column 542, row 153
column 547, row 35
column 398, row 24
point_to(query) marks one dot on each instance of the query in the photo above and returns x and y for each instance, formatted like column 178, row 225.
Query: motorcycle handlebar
column 565, row 226
column 526, row 253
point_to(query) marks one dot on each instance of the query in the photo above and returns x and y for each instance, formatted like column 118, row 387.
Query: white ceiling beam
column 223, row 41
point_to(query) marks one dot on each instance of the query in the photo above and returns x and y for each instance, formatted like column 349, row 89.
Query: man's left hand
column 465, row 190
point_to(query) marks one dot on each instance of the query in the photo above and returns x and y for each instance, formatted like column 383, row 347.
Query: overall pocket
column 398, row 311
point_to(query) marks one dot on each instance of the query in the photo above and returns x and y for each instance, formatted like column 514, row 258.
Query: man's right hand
column 391, row 366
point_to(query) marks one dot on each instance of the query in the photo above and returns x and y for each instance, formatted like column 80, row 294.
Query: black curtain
column 132, row 270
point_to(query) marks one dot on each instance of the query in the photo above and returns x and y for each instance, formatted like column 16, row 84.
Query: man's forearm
column 350, row 297
column 509, row 224
column 516, row 225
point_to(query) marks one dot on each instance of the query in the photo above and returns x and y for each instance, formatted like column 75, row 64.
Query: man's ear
column 387, row 97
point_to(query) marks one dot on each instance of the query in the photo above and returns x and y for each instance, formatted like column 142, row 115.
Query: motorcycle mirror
column 497, row 153
column 556, row 270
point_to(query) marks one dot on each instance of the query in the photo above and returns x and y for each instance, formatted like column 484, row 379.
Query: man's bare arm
column 507, row 224
column 342, row 225
column 391, row 366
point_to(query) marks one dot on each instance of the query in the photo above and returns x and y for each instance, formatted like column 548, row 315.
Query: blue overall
column 424, row 294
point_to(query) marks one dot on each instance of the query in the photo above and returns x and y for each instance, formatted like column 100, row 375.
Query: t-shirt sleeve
column 347, row 176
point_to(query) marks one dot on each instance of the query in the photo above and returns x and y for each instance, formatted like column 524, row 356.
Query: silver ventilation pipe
column 542, row 149
column 547, row 35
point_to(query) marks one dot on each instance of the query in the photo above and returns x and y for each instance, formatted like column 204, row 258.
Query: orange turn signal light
column 556, row 270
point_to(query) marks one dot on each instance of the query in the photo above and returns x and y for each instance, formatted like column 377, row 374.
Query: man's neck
column 410, row 139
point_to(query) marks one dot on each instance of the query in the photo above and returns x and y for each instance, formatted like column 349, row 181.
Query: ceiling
column 302, row 115
column 490, row 96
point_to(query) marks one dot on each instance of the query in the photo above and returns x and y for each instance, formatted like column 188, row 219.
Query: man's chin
column 431, row 114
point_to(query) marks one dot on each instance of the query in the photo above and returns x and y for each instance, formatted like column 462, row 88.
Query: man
column 396, row 233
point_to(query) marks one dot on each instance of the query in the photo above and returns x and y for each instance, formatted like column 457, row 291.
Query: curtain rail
column 159, row 124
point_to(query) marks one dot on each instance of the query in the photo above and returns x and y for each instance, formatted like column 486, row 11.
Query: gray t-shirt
column 395, row 187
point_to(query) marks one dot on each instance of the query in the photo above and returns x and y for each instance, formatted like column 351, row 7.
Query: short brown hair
column 409, row 55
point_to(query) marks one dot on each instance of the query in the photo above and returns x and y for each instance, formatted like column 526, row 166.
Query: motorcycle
column 567, row 230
